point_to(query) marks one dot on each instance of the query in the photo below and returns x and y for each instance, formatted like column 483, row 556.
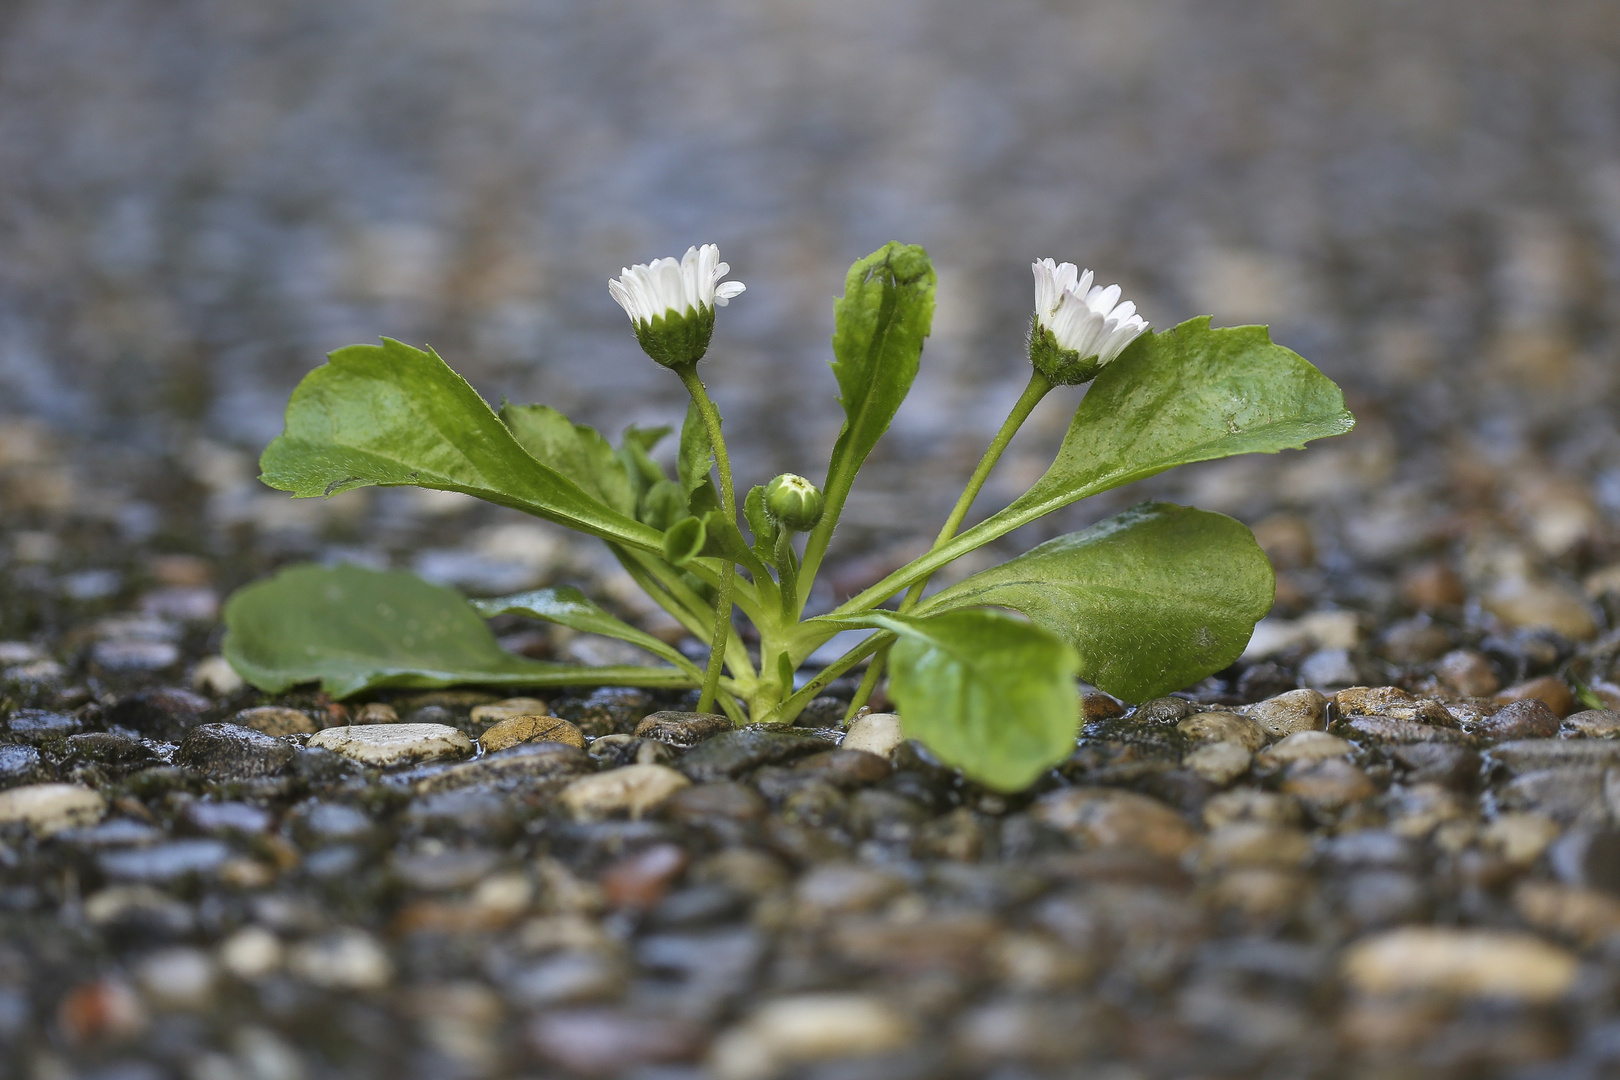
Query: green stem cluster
column 728, row 506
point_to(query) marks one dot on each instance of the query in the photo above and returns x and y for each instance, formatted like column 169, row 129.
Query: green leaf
column 683, row 541
column 989, row 693
column 355, row 629
column 697, row 452
column 879, row 326
column 1152, row 600
column 1188, row 394
column 567, row 606
column 390, row 415
column 663, row 505
column 578, row 451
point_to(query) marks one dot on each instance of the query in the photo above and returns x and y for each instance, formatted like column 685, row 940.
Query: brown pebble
column 707, row 803
column 1250, row 804
column 1108, row 817
column 1587, row 916
column 1432, row 586
column 1529, row 718
column 684, row 729
column 1390, row 701
column 1387, row 729
column 1096, row 705
column 846, row 768
column 496, row 711
column 523, row 729
column 1328, row 785
column 639, row 881
column 1297, row 710
column 1468, row 673
column 1218, row 727
column 376, row 712
column 1549, row 689
column 274, row 720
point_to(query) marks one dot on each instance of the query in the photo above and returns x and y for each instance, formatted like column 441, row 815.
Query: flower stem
column 787, row 569
column 728, row 505
column 1036, row 389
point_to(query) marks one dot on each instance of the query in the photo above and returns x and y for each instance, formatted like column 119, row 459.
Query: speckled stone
column 1297, row 710
column 393, row 744
column 522, row 729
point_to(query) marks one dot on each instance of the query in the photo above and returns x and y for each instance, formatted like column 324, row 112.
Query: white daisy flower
column 1079, row 327
column 648, row 291
column 672, row 303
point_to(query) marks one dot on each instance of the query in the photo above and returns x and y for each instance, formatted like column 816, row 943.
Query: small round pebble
column 876, row 733
column 1297, row 710
column 1219, row 762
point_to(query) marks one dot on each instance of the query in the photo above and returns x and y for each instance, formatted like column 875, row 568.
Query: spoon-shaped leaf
column 1152, row 600
column 354, row 629
column 389, row 414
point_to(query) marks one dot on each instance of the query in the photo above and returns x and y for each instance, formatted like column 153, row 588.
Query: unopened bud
column 794, row 502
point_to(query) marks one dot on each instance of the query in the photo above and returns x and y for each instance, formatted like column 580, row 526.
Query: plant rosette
column 984, row 671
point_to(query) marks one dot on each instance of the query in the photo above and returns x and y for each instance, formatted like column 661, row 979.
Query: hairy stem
column 728, row 505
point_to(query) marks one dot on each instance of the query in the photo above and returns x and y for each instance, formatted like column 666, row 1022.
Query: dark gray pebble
column 231, row 752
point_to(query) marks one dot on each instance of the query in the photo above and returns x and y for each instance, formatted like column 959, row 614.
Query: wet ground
column 1272, row 875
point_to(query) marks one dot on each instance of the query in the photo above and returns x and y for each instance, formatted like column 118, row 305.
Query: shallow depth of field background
column 199, row 199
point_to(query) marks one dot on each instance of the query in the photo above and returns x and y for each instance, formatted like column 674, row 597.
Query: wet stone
column 376, row 712
column 1220, row 763
column 1108, row 817
column 633, row 789
column 615, row 751
column 162, row 713
column 1389, row 729
column 523, row 729
column 717, row 803
column 844, row 768
column 1305, row 746
column 1525, row 755
column 1455, row 767
column 1550, row 690
column 1251, row 804
column 1329, row 785
column 19, row 765
column 1588, row 857
column 1297, row 710
column 383, row 745
column 38, row 725
column 822, row 712
column 518, row 767
column 1529, row 718
column 729, row 756
column 607, row 1042
column 115, row 749
column 1392, row 703
column 50, row 808
column 1468, row 673
column 496, row 711
column 274, row 720
column 1592, row 724
column 329, row 822
column 439, row 871
column 1164, row 710
column 1218, row 727
column 237, row 817
column 1566, row 794
column 231, row 752
column 682, row 729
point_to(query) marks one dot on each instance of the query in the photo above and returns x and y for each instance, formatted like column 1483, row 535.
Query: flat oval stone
column 728, row 756
column 393, row 744
column 633, row 788
column 1110, row 817
column 1297, row 710
column 522, row 765
column 538, row 728
column 1461, row 963
column 231, row 752
column 684, row 729
column 274, row 720
column 1593, row 724
column 496, row 711
column 164, row 862
column 1224, row 727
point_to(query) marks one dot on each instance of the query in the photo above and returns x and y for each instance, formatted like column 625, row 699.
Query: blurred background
column 198, row 200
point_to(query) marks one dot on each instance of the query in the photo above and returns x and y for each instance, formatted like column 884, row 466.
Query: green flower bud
column 1062, row 367
column 794, row 502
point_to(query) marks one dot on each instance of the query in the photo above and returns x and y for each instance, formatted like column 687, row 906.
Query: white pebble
column 180, row 978
column 251, row 953
column 807, row 1028
column 214, row 675
column 876, row 733
column 1461, row 963
column 393, row 744
column 1219, row 762
column 636, row 788
column 50, row 808
column 346, row 960
column 1306, row 746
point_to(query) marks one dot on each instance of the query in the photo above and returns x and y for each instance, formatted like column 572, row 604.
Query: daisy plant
column 984, row 671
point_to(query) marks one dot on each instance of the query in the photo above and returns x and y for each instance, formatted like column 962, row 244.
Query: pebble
column 639, row 881
column 376, row 712
column 1519, row 838
column 18, row 764
column 1592, row 724
column 1218, row 762
column 51, row 808
column 682, row 729
column 522, row 765
column 1548, row 689
column 523, row 729
column 37, row 725
column 251, row 953
column 496, row 711
column 1526, row 719
column 1461, row 963
column 809, row 1028
column 214, row 675
column 1297, row 710
column 163, row 863
column 875, row 732
column 728, row 756
column 238, row 817
column 135, row 656
column 842, row 887
column 1587, row 916
column 1305, row 746
column 1227, row 727
column 343, row 960
column 1328, row 785
column 603, row 1042
column 1109, row 817
column 1388, row 729
column 1252, row 804
column 275, row 720
column 393, row 744
column 1391, row 702
column 232, row 752
column 178, row 978
column 1566, row 794
column 635, row 789
column 1452, row 766
column 1468, row 673
column 1329, row 668
column 1525, row 755
column 1533, row 604
column 1253, row 843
